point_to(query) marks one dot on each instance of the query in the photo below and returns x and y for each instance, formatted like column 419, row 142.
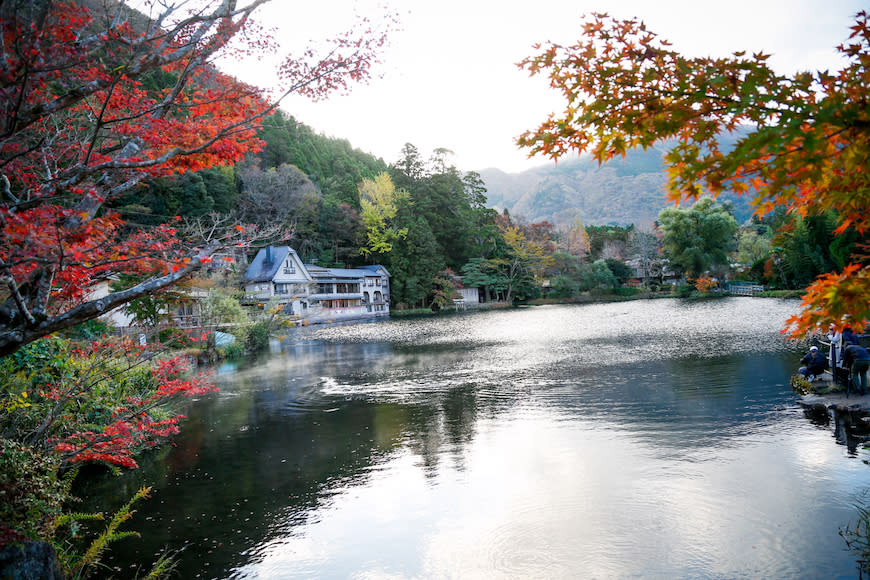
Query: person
column 815, row 363
column 849, row 336
column 836, row 353
column 858, row 360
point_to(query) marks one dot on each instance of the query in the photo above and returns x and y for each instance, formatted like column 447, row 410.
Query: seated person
column 815, row 362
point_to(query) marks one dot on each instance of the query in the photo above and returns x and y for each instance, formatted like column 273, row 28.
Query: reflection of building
column 315, row 293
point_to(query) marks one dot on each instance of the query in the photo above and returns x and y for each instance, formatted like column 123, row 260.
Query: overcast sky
column 449, row 76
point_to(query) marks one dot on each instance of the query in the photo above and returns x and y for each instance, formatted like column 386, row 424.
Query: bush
column 174, row 338
column 234, row 350
column 564, row 287
column 627, row 291
column 258, row 337
column 31, row 494
column 90, row 330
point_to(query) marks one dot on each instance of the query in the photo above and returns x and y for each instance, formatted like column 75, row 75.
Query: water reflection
column 643, row 439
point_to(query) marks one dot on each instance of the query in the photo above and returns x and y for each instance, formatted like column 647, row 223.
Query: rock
column 29, row 561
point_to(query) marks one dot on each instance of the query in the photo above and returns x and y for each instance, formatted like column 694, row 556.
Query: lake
column 643, row 439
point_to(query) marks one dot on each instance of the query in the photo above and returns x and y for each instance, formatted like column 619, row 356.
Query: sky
column 449, row 77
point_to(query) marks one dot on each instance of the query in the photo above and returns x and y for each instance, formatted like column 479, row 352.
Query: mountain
column 630, row 190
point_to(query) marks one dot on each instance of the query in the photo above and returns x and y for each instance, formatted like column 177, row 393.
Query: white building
column 314, row 293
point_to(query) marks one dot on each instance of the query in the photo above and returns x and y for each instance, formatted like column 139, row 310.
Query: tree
column 416, row 261
column 484, row 274
column 751, row 246
column 575, row 240
column 597, row 277
column 379, row 200
column 800, row 142
column 94, row 102
column 698, row 237
column 645, row 248
column 608, row 241
column 523, row 265
column 282, row 196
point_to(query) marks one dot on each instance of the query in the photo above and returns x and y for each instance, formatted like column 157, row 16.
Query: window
column 282, row 288
column 289, row 266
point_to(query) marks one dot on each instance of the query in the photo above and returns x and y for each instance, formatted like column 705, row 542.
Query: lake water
column 646, row 439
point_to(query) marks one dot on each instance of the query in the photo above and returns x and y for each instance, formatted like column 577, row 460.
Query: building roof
column 266, row 263
column 268, row 260
column 375, row 268
column 321, row 273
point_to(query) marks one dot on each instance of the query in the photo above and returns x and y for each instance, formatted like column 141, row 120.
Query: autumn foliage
column 802, row 141
column 95, row 101
column 102, row 403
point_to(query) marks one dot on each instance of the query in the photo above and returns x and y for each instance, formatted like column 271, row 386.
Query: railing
column 745, row 289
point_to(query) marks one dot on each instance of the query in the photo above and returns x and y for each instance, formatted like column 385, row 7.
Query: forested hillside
column 300, row 180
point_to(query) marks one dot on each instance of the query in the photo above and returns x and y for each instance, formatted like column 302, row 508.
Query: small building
column 277, row 275
column 315, row 293
column 467, row 296
column 376, row 290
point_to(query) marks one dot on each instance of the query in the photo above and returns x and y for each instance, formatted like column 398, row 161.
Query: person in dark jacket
column 858, row 360
column 849, row 336
column 815, row 363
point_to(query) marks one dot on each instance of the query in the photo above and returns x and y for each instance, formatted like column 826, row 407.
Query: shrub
column 31, row 493
column 626, row 291
column 258, row 337
column 174, row 338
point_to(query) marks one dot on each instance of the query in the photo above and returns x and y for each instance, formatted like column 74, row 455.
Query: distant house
column 314, row 293
column 183, row 311
column 278, row 275
column 467, row 296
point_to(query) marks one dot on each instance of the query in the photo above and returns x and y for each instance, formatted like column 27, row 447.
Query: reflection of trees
column 255, row 475
column 444, row 426
column 255, row 460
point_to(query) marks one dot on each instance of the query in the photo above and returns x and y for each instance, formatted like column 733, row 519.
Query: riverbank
column 837, row 400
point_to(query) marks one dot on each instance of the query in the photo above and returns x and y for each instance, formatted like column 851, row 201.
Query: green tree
column 622, row 271
column 485, row 274
column 416, row 260
column 752, row 246
column 597, row 277
column 699, row 237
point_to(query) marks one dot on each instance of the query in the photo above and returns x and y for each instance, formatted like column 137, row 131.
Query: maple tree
column 801, row 142
column 97, row 97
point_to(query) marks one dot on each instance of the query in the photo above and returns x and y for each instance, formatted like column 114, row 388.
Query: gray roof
column 375, row 267
column 321, row 273
column 261, row 270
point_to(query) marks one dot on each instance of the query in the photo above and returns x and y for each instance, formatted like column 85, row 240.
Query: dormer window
column 289, row 267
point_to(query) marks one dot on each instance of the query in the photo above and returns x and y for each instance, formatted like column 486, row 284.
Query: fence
column 745, row 288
